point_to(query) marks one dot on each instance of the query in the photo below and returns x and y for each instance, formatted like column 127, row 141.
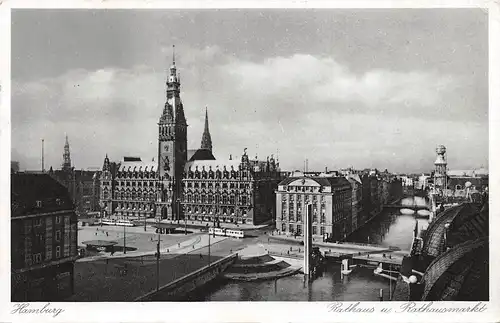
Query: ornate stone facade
column 189, row 184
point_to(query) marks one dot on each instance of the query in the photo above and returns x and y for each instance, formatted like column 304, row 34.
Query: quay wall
column 188, row 283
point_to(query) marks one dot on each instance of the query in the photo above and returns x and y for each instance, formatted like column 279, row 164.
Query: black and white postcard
column 249, row 161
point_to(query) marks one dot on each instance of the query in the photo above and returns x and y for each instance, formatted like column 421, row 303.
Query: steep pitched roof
column 200, row 154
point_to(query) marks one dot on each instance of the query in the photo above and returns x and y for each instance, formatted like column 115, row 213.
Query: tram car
column 126, row 223
column 224, row 232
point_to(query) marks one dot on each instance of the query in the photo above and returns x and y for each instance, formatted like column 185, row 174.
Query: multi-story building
column 83, row 185
column 356, row 199
column 375, row 190
column 331, row 200
column 43, row 238
column 189, row 184
column 128, row 188
column 231, row 191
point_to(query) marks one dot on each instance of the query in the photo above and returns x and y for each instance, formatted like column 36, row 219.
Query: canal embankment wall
column 188, row 283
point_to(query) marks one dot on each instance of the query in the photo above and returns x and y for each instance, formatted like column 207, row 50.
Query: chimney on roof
column 326, row 170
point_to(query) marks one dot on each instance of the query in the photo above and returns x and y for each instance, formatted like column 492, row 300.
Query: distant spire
column 66, row 156
column 206, row 139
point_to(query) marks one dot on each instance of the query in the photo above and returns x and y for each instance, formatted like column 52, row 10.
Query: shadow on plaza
column 125, row 279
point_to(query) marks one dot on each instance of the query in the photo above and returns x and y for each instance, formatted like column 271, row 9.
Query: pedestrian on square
column 107, row 234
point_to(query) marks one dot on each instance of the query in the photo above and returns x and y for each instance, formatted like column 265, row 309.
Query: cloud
column 323, row 80
column 302, row 104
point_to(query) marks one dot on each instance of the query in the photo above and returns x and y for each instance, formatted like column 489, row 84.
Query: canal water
column 389, row 228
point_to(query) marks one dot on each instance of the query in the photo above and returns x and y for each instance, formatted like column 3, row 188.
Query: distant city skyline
column 361, row 88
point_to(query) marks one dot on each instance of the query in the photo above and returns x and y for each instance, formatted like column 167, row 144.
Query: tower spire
column 206, row 139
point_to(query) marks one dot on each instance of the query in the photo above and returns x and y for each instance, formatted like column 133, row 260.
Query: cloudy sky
column 363, row 88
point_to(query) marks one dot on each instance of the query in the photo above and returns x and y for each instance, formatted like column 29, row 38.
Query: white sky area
column 362, row 88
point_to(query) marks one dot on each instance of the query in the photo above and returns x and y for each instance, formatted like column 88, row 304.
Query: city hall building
column 188, row 184
column 331, row 200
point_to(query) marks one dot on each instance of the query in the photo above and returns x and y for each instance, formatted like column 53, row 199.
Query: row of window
column 233, row 174
column 136, row 174
column 305, row 197
column 216, row 185
column 38, row 221
column 300, row 218
column 310, row 189
column 208, row 210
column 40, row 203
column 150, row 183
column 37, row 257
column 134, row 206
column 298, row 229
column 224, row 199
column 141, row 196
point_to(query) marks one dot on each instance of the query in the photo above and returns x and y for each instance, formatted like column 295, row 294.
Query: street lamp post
column 209, row 244
column 158, row 258
column 124, row 241
column 185, row 220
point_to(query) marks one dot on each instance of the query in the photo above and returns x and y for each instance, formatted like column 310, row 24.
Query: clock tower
column 172, row 150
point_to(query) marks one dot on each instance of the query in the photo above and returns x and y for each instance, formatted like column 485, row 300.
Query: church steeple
column 66, row 165
column 206, row 139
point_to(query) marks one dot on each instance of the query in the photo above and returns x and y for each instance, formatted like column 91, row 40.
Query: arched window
column 231, row 199
column 210, row 198
column 203, row 199
column 224, row 199
column 211, row 174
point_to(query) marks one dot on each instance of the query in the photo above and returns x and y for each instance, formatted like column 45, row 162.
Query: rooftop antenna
column 173, row 54
column 43, row 166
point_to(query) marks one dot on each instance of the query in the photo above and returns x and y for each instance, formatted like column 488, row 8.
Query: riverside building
column 331, row 199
